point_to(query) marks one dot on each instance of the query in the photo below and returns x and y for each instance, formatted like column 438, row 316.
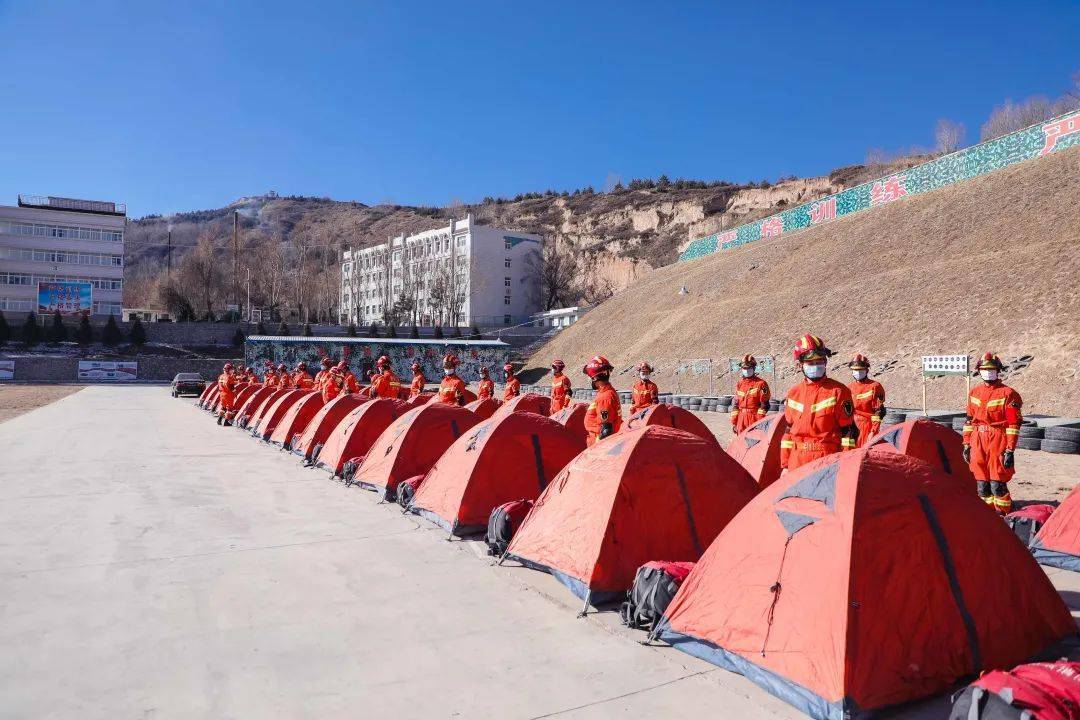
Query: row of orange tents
column 860, row 581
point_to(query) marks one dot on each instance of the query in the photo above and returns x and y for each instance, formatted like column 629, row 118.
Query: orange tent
column 274, row 414
column 297, row 417
column 421, row 399
column 863, row 580
column 254, row 401
column 757, row 448
column 572, row 417
column 484, row 408
column 355, row 435
column 204, row 396
column 244, row 393
column 939, row 446
column 411, row 445
column 654, row 492
column 324, row 422
column 669, row 416
column 263, row 407
column 1058, row 541
column 528, row 402
column 512, row 457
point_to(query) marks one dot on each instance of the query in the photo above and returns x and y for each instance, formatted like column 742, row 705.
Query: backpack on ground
column 655, row 585
column 1039, row 691
column 406, row 491
column 348, row 470
column 503, row 523
column 1026, row 521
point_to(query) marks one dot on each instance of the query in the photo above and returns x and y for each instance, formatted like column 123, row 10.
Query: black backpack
column 503, row 523
column 655, row 585
column 406, row 491
column 976, row 703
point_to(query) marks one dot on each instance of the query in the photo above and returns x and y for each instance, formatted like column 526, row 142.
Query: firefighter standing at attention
column 385, row 383
column 320, row 377
column 513, row 386
column 300, row 379
column 452, row 387
column 560, row 387
column 333, row 384
column 752, row 396
column 991, row 432
column 486, row 388
column 349, row 382
column 226, row 395
column 284, row 378
column 270, row 378
column 819, row 410
column 869, row 398
column 418, row 380
column 644, row 392
column 604, row 415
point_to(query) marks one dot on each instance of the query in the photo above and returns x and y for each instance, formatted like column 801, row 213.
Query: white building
column 559, row 318
column 464, row 274
column 52, row 239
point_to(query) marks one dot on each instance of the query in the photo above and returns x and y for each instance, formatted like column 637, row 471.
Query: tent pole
column 585, row 607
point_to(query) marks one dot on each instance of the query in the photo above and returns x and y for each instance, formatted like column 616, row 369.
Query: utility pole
column 168, row 255
column 236, row 255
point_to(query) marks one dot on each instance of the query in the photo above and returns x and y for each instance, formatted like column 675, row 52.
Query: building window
column 461, row 241
column 506, row 319
column 506, row 281
column 508, row 245
column 506, row 300
column 507, row 262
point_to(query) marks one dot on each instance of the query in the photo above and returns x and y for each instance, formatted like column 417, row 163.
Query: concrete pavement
column 155, row 565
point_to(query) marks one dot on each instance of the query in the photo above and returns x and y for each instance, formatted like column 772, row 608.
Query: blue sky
column 172, row 106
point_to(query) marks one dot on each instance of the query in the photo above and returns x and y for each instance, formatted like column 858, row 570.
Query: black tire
column 892, row 419
column 1029, row 443
column 1068, row 434
column 1031, row 432
column 1060, row 446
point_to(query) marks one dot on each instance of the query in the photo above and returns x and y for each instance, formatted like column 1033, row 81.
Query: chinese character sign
column 945, row 365
column 1056, row 130
column 887, row 190
column 823, row 210
column 70, row 298
column 772, row 227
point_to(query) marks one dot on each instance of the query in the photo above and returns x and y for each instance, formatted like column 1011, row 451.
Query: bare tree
column 1010, row 117
column 949, row 135
column 553, row 272
column 201, row 275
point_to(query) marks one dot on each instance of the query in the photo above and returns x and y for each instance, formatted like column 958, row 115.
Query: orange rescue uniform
column 418, row 383
column 452, row 390
column 869, row 398
column 386, row 385
column 644, row 394
column 270, row 379
column 560, row 392
column 751, row 402
column 995, row 416
column 332, row 386
column 349, row 383
column 302, row 381
column 227, row 394
column 605, row 408
column 512, row 389
column 486, row 389
column 818, row 414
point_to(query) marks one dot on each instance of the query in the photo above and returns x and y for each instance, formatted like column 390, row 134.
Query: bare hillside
column 989, row 264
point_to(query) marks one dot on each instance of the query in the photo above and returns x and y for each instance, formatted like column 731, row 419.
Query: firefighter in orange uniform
column 349, row 382
column 320, row 377
column 645, row 393
column 560, row 387
column 386, row 383
column 249, row 375
column 513, row 386
column 452, row 387
column 604, row 414
column 869, row 398
column 418, row 380
column 486, row 388
column 284, row 378
column 333, row 384
column 752, row 396
column 819, row 410
column 300, row 378
column 227, row 395
column 991, row 432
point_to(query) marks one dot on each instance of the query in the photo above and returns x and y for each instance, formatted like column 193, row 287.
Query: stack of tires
column 892, row 417
column 723, row 403
column 775, row 405
column 1060, row 439
column 1031, row 436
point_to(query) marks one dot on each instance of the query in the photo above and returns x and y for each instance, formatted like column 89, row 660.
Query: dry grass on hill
column 988, row 264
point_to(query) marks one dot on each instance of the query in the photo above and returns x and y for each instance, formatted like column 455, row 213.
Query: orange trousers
column 987, row 445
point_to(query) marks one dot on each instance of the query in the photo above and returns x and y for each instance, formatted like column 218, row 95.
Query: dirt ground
column 1040, row 476
column 18, row 399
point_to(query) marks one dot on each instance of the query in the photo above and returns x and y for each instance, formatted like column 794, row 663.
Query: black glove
column 605, row 430
column 967, row 453
column 1007, row 459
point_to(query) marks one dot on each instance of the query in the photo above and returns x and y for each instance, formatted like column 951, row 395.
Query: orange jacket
column 227, row 385
column 333, row 385
column 869, row 398
column 418, row 383
column 302, row 381
column 385, row 385
column 284, row 381
column 350, row 384
column 270, row 379
column 452, row 390
column 605, row 408
column 752, row 396
column 819, row 414
column 486, row 389
column 994, row 405
column 560, row 392
column 512, row 389
column 644, row 394
column 320, row 378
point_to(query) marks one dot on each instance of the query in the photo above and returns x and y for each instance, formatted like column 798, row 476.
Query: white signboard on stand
column 103, row 371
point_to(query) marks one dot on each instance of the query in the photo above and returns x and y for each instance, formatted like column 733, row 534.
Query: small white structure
column 461, row 275
column 559, row 318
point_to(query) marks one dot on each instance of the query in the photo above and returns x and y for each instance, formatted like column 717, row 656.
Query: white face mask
column 448, row 371
column 813, row 371
column 989, row 375
column 643, row 376
column 858, row 374
column 748, row 372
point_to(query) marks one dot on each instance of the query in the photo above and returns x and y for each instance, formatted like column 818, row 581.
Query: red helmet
column 748, row 361
column 644, row 367
column 341, row 365
column 557, row 365
column 281, row 367
column 228, row 366
column 415, row 365
column 301, row 365
column 508, row 369
column 811, row 347
column 268, row 363
column 326, row 362
column 990, row 361
column 484, row 370
column 859, row 362
column 598, row 365
column 451, row 361
column 383, row 360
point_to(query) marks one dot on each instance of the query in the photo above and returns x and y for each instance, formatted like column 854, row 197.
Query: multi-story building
column 464, row 274
column 53, row 239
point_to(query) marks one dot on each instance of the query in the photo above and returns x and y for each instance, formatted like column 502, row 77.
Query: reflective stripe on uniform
column 975, row 401
column 795, row 405
column 968, row 428
column 787, row 444
column 863, row 396
column 740, row 393
column 995, row 403
column 1012, row 431
column 824, row 404
column 847, row 442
